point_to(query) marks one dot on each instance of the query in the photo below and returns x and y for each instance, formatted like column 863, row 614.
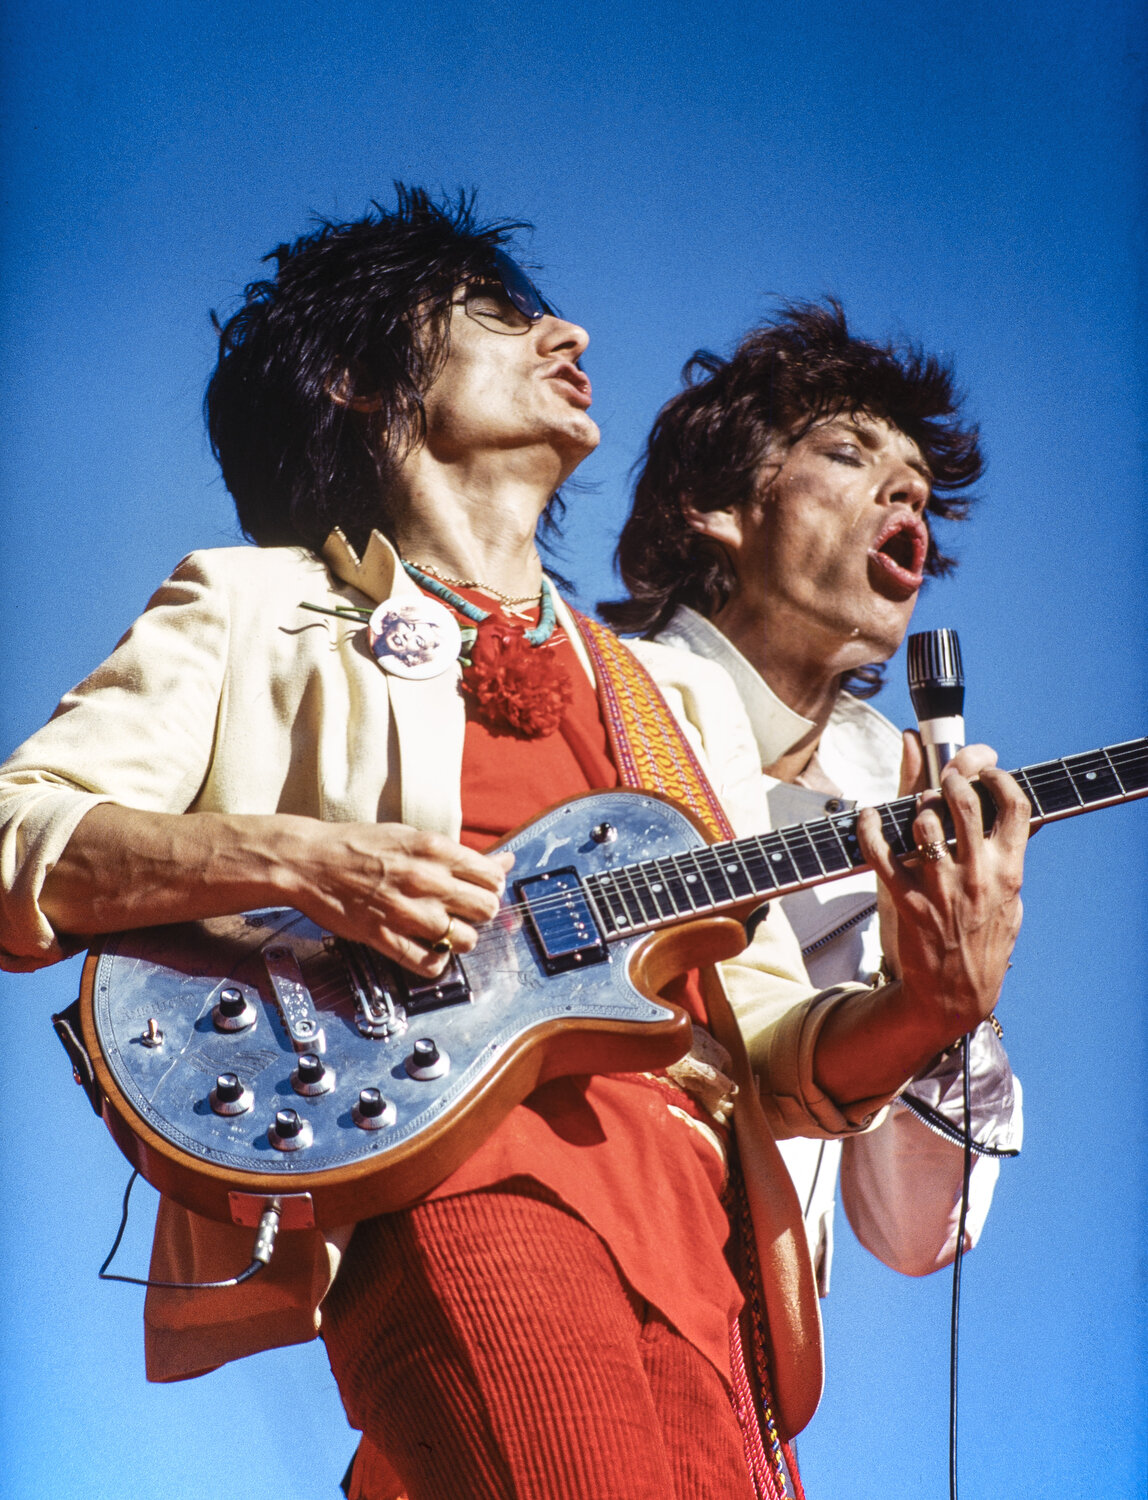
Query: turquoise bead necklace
column 538, row 636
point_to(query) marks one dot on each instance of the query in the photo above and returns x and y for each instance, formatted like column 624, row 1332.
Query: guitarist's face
column 829, row 556
column 515, row 395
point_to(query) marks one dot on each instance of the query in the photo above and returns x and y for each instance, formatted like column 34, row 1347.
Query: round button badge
column 415, row 638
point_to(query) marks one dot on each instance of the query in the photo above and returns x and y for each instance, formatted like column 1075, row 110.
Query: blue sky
column 968, row 176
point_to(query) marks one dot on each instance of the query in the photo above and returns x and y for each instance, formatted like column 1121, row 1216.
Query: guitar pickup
column 450, row 988
column 563, row 924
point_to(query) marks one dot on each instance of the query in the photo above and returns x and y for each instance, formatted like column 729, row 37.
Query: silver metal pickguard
column 174, row 976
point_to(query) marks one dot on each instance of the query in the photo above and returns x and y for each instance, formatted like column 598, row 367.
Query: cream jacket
column 226, row 696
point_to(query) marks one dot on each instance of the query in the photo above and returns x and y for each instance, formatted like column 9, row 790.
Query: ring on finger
column 444, row 944
column 933, row 851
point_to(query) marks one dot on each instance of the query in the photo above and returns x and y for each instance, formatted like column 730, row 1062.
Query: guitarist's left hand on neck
column 957, row 921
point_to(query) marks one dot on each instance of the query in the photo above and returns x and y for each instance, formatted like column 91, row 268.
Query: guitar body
column 520, row 1012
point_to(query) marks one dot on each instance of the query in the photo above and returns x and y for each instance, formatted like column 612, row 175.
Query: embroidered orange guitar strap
column 650, row 750
column 652, row 754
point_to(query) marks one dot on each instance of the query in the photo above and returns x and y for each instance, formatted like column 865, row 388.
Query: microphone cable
column 954, row 1319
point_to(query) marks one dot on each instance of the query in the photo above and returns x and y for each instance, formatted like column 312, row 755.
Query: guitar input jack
column 261, row 1252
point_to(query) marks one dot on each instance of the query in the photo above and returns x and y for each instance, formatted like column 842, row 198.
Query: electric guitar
column 257, row 1056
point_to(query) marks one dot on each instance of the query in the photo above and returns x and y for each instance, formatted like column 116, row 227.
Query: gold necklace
column 473, row 583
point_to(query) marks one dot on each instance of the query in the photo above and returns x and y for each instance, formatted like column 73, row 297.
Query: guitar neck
column 720, row 877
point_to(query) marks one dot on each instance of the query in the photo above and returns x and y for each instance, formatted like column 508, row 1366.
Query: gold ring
column 444, row 944
column 933, row 851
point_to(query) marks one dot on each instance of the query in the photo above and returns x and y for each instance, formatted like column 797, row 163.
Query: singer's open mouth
column 897, row 555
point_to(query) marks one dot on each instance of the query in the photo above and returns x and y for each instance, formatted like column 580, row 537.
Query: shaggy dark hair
column 317, row 396
column 709, row 443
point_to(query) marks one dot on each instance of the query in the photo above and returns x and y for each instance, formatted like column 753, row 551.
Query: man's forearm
column 873, row 1043
column 125, row 868
column 395, row 887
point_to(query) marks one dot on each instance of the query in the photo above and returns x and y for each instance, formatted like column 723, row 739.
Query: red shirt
column 647, row 1181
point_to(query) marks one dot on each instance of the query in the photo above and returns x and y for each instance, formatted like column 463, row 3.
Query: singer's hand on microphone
column 956, row 918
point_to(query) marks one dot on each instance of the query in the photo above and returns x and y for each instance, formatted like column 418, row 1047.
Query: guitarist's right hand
column 397, row 888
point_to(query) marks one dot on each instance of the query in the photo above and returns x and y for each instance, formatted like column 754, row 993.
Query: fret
column 831, row 850
column 639, row 878
column 897, row 823
column 802, row 850
column 845, row 830
column 675, row 885
column 1132, row 758
column 626, row 910
column 1094, row 777
column 753, row 854
column 691, row 878
column 784, row 870
column 1053, row 787
column 717, row 882
column 1026, row 786
column 658, row 889
column 733, row 866
column 624, row 878
column 713, row 880
column 1115, row 772
column 611, row 907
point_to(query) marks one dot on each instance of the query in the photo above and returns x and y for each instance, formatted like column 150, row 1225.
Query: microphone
column 937, row 688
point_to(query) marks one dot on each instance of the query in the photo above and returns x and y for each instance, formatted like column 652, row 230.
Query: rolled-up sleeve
column 139, row 731
column 781, row 1019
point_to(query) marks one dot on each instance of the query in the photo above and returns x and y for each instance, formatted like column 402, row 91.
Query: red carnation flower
column 515, row 688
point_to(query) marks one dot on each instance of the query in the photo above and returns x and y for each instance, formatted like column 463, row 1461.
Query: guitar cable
column 261, row 1253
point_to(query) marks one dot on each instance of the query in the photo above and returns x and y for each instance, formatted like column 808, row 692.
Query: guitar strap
column 652, row 754
column 649, row 748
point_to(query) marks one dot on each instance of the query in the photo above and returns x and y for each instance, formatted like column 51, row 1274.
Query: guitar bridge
column 450, row 988
column 387, row 995
column 563, row 924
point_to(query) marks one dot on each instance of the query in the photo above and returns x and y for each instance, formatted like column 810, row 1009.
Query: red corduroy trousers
column 488, row 1345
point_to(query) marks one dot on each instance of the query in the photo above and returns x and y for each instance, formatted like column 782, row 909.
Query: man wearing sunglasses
column 393, row 411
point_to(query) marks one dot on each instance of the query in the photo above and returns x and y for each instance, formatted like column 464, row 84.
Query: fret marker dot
column 731, row 867
column 776, row 858
column 1090, row 776
column 657, row 889
column 690, row 879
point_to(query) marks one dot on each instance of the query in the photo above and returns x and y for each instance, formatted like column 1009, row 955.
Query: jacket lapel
column 429, row 717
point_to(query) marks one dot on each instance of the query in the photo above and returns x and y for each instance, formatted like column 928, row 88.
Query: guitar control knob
column 230, row 1096
column 604, row 833
column 233, row 1011
column 290, row 1132
column 426, row 1061
column 372, row 1111
column 312, row 1076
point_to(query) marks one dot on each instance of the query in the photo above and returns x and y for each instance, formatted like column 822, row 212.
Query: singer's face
column 830, row 554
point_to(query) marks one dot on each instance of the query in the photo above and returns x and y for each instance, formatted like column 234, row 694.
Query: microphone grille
column 935, row 659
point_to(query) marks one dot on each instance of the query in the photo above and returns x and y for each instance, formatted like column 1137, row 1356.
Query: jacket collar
column 776, row 727
column 859, row 749
column 378, row 573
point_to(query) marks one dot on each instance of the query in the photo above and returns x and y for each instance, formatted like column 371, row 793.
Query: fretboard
column 660, row 892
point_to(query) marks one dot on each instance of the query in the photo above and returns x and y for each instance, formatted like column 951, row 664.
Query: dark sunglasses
column 519, row 287
column 525, row 309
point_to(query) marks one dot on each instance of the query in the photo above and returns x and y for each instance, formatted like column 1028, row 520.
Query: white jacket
column 900, row 1181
